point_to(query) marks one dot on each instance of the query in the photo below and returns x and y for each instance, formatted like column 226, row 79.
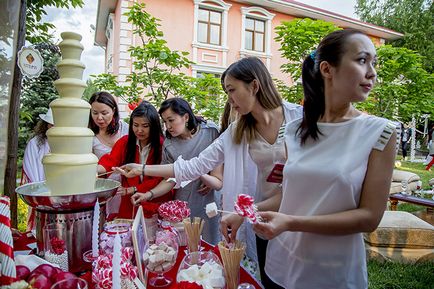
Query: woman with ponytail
column 249, row 148
column 337, row 175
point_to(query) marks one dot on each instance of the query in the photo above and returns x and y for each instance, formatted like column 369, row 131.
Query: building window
column 255, row 34
column 209, row 26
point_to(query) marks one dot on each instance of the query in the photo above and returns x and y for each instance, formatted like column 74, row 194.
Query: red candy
column 174, row 211
column 245, row 207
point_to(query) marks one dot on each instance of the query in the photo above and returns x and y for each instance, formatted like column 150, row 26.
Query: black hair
column 330, row 49
column 107, row 99
column 148, row 111
column 181, row 107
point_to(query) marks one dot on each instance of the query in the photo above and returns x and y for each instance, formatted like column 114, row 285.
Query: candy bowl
column 161, row 257
column 203, row 268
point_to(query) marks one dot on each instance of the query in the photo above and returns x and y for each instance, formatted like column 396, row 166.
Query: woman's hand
column 129, row 170
column 126, row 191
column 137, row 198
column 229, row 226
column 273, row 224
column 204, row 190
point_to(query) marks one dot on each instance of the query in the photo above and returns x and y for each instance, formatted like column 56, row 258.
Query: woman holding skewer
column 316, row 237
column 249, row 148
column 142, row 145
column 187, row 135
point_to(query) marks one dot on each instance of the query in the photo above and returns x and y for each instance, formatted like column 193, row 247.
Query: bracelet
column 134, row 190
column 143, row 169
column 152, row 195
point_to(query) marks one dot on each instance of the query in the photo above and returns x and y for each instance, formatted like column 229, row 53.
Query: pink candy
column 174, row 211
column 102, row 272
column 245, row 207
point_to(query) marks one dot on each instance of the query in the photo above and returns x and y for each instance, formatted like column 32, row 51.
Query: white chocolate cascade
column 70, row 168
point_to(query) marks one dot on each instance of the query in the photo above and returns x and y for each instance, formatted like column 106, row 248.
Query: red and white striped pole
column 7, row 270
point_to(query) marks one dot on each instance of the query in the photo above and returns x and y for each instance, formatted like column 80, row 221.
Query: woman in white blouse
column 249, row 148
column 104, row 121
column 337, row 175
column 36, row 149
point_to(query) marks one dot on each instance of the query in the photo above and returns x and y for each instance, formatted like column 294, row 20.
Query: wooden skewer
column 106, row 173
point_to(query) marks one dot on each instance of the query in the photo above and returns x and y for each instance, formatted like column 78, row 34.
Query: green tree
column 403, row 86
column 206, row 96
column 157, row 71
column 37, row 93
column 91, row 88
column 154, row 63
column 37, row 31
column 414, row 18
column 298, row 38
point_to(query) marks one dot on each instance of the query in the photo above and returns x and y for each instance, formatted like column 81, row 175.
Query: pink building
column 215, row 32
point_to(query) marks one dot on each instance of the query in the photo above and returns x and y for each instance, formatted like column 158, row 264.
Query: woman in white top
column 247, row 148
column 36, row 149
column 105, row 122
column 337, row 174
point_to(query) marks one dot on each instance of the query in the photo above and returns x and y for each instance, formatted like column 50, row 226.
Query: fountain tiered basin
column 75, row 211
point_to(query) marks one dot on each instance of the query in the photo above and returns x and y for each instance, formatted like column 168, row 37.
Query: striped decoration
column 7, row 270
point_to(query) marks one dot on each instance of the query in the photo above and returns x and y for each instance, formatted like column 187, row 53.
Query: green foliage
column 414, row 18
column 91, row 88
column 37, row 31
column 206, row 97
column 403, row 87
column 37, row 93
column 298, row 38
column 157, row 71
column 154, row 63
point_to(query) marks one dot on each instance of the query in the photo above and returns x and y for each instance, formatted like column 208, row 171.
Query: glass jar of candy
column 110, row 230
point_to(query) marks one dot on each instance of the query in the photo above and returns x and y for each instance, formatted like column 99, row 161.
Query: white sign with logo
column 30, row 62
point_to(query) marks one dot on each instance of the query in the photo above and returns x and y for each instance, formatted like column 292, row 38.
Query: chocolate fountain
column 71, row 189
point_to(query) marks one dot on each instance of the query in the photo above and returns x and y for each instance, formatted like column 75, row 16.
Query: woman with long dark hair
column 142, row 145
column 188, row 135
column 36, row 149
column 249, row 148
column 105, row 122
column 337, row 175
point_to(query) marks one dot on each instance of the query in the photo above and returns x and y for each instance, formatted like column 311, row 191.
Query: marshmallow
column 211, row 210
column 208, row 275
column 159, row 258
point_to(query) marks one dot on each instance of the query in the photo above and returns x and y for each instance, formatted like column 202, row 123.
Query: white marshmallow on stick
column 211, row 210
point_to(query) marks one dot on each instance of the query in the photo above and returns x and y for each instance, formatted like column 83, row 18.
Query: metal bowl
column 37, row 195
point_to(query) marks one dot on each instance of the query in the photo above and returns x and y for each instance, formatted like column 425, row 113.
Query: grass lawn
column 403, row 276
column 400, row 276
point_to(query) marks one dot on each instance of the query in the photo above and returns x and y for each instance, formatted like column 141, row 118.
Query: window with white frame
column 255, row 34
column 256, row 30
column 209, row 26
column 210, row 23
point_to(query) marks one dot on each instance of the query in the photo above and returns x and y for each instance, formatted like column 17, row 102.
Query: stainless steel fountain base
column 75, row 211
